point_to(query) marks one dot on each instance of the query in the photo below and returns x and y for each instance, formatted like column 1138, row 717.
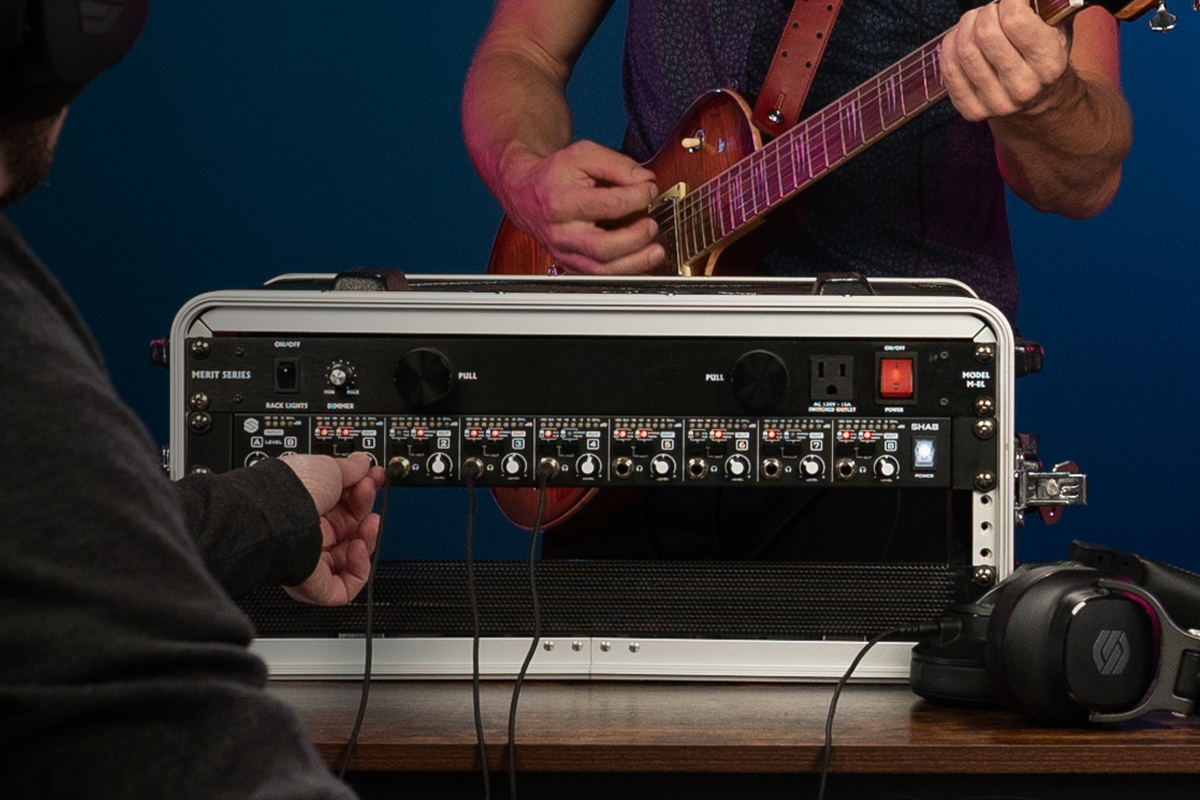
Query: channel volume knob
column 759, row 379
column 423, row 377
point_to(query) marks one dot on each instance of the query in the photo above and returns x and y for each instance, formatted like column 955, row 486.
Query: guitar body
column 720, row 120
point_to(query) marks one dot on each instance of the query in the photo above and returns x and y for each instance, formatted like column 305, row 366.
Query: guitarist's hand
column 1002, row 59
column 586, row 205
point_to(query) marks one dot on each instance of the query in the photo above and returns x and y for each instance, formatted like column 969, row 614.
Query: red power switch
column 896, row 378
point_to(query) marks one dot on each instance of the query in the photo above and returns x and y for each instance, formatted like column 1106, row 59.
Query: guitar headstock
column 1055, row 11
column 1126, row 11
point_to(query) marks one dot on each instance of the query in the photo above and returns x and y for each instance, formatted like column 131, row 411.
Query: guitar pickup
column 667, row 203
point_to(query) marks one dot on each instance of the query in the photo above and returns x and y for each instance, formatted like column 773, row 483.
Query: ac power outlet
column 832, row 377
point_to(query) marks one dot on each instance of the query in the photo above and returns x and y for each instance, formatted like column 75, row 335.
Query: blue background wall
column 244, row 139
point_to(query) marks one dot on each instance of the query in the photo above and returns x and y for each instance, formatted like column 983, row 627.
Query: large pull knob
column 759, row 379
column 423, row 377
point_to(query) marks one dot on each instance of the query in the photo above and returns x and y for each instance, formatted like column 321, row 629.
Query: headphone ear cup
column 82, row 40
column 1061, row 648
column 51, row 49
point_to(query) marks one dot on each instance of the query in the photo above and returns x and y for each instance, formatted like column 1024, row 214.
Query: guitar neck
column 724, row 207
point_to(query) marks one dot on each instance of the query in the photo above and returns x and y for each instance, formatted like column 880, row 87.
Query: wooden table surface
column 626, row 726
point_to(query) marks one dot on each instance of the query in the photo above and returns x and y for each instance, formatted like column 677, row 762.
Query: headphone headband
column 1177, row 589
column 1096, row 637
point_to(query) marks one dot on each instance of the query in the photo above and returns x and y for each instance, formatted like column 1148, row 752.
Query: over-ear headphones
column 1096, row 637
column 51, row 49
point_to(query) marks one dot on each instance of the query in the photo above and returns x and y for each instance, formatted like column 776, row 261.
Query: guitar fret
column 793, row 157
column 714, row 205
column 820, row 153
column 913, row 83
column 833, row 138
column 925, row 78
column 873, row 124
column 934, row 60
column 727, row 224
column 687, row 229
column 737, row 211
column 893, row 99
column 851, row 128
column 803, row 158
column 775, row 189
column 707, row 207
column 774, row 177
column 750, row 187
column 785, row 177
column 759, row 197
column 752, row 182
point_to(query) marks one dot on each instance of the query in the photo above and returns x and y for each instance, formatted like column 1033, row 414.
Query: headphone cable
column 370, row 628
column 543, row 474
column 919, row 630
column 469, row 476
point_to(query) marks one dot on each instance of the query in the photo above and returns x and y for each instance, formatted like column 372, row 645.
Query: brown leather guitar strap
column 796, row 57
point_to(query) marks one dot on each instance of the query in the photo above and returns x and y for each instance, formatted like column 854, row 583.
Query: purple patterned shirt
column 927, row 201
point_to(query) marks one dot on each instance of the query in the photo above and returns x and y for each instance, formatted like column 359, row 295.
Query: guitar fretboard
column 815, row 146
column 808, row 151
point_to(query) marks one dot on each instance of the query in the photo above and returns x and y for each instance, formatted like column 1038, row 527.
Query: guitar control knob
column 423, row 377
column 439, row 465
column 812, row 468
column 737, row 467
column 886, row 468
column 513, row 465
column 759, row 379
column 589, row 465
column 662, row 466
column 340, row 375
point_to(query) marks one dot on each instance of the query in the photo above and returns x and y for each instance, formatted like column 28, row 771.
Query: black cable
column 469, row 478
column 814, row 496
column 919, row 630
column 543, row 474
column 370, row 630
column 887, row 544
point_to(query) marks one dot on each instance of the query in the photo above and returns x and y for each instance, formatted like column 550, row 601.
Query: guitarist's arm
column 1052, row 98
column 519, row 132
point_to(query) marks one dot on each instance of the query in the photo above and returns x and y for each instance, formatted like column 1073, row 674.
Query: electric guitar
column 718, row 181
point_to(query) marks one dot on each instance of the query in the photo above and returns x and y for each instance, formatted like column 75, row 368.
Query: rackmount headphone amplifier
column 592, row 384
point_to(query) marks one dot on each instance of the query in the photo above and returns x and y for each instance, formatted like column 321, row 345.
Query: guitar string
column 701, row 203
column 820, row 147
column 704, row 207
column 707, row 198
column 786, row 146
column 867, row 93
